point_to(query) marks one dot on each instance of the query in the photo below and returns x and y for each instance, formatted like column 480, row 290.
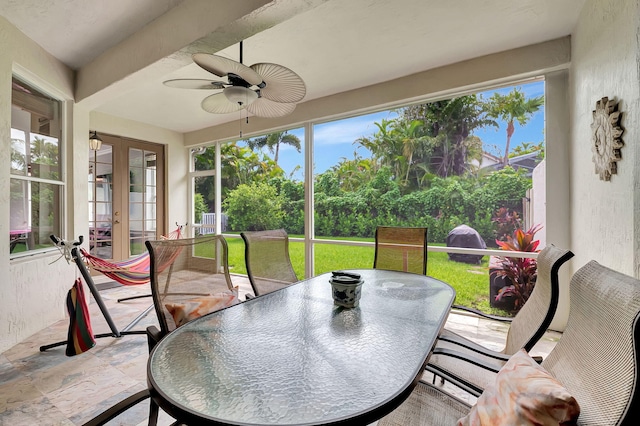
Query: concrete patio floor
column 48, row 388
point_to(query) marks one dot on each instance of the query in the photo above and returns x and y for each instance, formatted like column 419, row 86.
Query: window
column 36, row 168
column 475, row 159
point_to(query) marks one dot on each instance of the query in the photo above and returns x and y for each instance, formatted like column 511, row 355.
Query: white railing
column 456, row 250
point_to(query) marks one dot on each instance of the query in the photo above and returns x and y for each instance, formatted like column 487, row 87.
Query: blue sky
column 334, row 140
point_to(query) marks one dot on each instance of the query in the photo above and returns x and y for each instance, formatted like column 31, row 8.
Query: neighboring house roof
column 525, row 161
column 486, row 160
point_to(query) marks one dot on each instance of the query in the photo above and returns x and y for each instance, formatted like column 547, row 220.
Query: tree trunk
column 510, row 130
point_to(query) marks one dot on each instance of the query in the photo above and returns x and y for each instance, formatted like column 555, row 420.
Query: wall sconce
column 94, row 141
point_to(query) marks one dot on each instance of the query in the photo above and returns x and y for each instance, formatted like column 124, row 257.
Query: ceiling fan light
column 240, row 95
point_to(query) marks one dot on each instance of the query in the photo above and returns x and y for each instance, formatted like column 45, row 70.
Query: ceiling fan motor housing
column 240, row 95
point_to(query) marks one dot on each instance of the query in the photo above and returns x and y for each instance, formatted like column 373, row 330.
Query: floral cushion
column 524, row 394
column 195, row 308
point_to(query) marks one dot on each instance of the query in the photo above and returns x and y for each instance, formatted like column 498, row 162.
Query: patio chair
column 184, row 274
column 596, row 359
column 266, row 255
column 401, row 249
column 189, row 278
column 472, row 366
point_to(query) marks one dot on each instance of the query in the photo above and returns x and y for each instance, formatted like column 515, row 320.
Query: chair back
column 401, row 249
column 534, row 318
column 596, row 358
column 183, row 270
column 266, row 254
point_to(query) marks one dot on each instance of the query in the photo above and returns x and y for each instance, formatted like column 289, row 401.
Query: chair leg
column 153, row 413
column 119, row 408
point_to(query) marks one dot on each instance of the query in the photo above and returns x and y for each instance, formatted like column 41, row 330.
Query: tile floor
column 48, row 388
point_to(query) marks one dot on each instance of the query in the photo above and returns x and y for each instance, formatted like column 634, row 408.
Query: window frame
column 43, row 88
column 310, row 238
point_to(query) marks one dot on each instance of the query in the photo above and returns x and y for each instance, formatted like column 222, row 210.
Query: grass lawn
column 471, row 282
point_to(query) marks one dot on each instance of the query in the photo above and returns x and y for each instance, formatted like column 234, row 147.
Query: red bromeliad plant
column 522, row 272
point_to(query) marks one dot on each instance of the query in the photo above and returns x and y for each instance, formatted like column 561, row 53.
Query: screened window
column 36, row 186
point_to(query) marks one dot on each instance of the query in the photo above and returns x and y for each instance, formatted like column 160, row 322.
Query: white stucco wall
column 32, row 291
column 605, row 61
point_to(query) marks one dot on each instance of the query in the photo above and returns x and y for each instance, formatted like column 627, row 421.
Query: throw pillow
column 524, row 393
column 194, row 308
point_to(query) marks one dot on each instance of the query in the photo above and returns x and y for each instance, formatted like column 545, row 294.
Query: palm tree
column 353, row 174
column 449, row 126
column 273, row 140
column 409, row 133
column 511, row 107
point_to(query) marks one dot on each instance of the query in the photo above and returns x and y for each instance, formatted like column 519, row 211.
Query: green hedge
column 445, row 204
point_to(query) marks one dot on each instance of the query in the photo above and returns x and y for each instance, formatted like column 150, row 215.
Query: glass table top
column 292, row 357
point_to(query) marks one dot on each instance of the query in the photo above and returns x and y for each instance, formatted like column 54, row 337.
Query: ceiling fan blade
column 219, row 104
column 195, row 83
column 282, row 84
column 263, row 107
column 222, row 67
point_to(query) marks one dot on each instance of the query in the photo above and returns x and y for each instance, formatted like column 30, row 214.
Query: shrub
column 254, row 207
column 521, row 272
column 199, row 207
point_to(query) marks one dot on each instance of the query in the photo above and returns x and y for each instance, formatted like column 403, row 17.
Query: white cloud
column 348, row 130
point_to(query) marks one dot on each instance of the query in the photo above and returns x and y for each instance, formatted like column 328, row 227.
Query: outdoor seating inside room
column 602, row 330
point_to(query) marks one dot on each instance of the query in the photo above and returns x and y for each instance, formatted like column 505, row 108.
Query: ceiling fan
column 264, row 89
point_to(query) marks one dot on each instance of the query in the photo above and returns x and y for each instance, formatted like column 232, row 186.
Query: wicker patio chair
column 472, row 366
column 596, row 359
column 267, row 259
column 401, row 249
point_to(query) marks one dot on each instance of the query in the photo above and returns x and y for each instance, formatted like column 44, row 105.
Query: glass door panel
column 125, row 200
column 142, row 198
column 101, row 202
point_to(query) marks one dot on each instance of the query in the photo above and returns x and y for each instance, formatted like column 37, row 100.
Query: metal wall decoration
column 606, row 138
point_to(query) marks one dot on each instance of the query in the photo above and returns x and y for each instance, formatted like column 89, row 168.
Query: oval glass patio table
column 291, row 357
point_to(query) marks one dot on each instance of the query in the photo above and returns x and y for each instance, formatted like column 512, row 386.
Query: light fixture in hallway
column 94, row 141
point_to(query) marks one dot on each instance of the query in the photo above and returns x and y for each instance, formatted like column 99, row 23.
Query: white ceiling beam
column 167, row 43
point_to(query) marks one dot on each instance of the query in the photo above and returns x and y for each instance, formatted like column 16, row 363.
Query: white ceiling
column 336, row 46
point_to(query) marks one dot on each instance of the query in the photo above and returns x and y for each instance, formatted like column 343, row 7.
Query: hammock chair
column 133, row 271
column 130, row 272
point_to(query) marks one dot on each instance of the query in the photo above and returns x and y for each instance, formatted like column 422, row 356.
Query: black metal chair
column 267, row 259
column 401, row 249
column 597, row 359
column 472, row 366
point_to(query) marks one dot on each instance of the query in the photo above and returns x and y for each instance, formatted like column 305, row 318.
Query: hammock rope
column 134, row 271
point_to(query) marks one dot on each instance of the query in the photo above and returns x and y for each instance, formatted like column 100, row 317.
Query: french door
column 126, row 196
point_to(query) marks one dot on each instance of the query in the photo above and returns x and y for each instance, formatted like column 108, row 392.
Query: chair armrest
column 469, row 358
column 472, row 346
column 482, row 314
column 153, row 336
column 475, row 347
column 458, row 381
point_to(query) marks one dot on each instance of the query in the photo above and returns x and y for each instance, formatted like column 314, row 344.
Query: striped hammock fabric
column 80, row 337
column 129, row 272
column 133, row 271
